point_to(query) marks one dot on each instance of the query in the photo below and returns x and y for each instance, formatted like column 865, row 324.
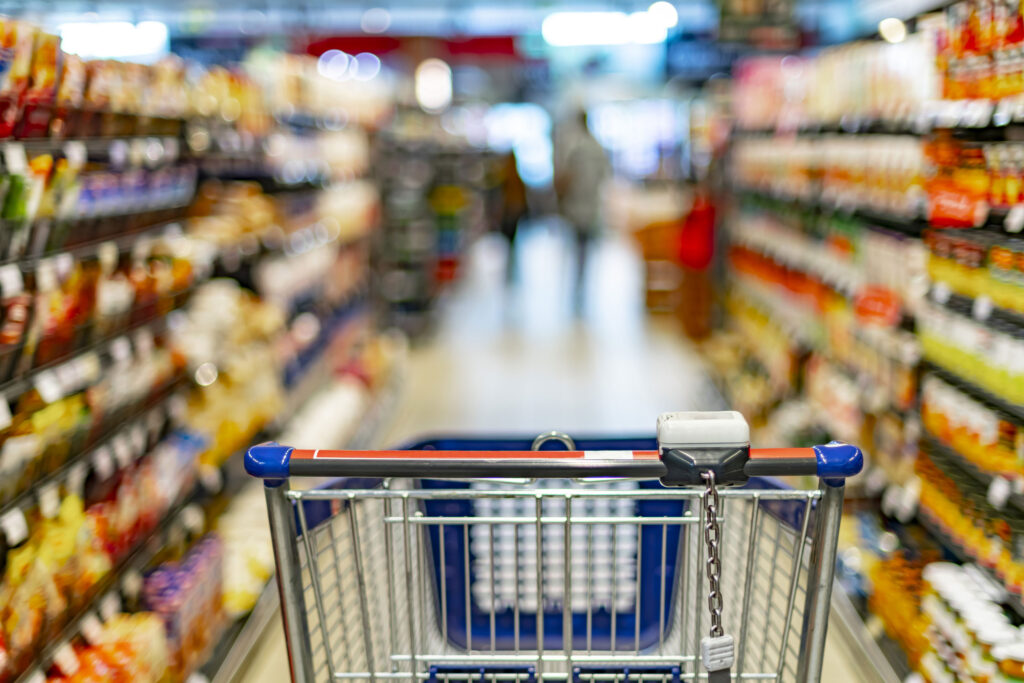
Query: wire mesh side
column 358, row 591
column 375, row 610
column 765, row 569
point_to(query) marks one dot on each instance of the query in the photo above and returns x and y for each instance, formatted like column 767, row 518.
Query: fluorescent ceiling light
column 563, row 29
column 145, row 41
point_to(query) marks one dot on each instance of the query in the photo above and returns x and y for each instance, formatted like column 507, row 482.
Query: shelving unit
column 236, row 644
column 130, row 207
column 816, row 170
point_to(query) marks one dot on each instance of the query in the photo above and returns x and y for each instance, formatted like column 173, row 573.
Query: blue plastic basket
column 648, row 587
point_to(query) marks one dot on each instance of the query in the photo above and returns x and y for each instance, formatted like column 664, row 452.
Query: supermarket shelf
column 142, row 555
column 239, row 639
column 119, row 148
column 121, row 241
column 968, row 387
column 971, row 308
column 975, row 117
column 937, row 449
column 852, row 127
column 906, row 225
column 165, row 401
column 878, row 657
column 1012, row 601
column 11, row 389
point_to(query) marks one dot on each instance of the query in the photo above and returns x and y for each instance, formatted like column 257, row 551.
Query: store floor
column 521, row 360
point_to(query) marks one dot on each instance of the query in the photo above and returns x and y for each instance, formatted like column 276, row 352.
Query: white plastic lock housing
column 717, row 653
column 703, row 429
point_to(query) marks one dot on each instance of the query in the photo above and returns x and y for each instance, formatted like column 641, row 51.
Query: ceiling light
column 664, row 13
column 145, row 41
column 367, row 66
column 434, row 85
column 563, row 29
column 892, row 30
column 375, row 20
column 334, row 64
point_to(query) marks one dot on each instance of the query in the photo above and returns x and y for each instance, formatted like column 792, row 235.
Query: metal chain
column 712, row 536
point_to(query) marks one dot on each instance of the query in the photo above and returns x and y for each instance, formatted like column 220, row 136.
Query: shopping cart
column 615, row 560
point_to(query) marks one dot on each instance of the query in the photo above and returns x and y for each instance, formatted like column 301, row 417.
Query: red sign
column 953, row 208
column 877, row 306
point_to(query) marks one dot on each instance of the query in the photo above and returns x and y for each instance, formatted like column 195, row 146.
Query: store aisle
column 519, row 361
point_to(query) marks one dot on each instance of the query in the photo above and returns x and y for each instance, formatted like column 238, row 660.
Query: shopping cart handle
column 270, row 461
column 832, row 462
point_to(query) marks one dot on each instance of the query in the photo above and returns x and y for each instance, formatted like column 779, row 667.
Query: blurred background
column 349, row 224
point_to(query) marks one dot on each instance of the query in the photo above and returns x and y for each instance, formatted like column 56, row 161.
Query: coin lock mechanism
column 692, row 443
column 707, row 449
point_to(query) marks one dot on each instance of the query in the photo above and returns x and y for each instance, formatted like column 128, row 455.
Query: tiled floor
column 519, row 360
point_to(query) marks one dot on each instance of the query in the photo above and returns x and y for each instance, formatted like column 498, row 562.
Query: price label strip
column 15, row 526
column 91, row 628
column 11, row 280
column 999, row 490
column 76, row 478
column 103, row 462
column 48, row 386
column 49, row 500
column 121, row 349
column 131, row 583
column 122, row 450
column 5, row 412
column 138, row 437
column 110, row 605
column 65, row 659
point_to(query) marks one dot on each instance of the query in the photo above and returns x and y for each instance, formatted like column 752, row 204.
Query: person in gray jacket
column 581, row 168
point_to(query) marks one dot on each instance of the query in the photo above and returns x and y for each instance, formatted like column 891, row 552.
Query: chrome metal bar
column 567, row 583
column 752, row 538
column 364, row 607
column 314, row 573
column 475, row 676
column 540, row 589
column 697, row 602
column 794, row 580
column 289, row 584
column 551, row 520
column 553, row 658
column 683, row 594
column 590, row 588
column 409, row 583
column 771, row 591
column 494, row 589
column 515, row 606
column 615, row 586
column 467, row 584
column 347, row 659
column 661, row 594
column 636, row 589
column 443, row 581
column 389, row 551
column 462, row 494
column 819, row 583
column 423, row 585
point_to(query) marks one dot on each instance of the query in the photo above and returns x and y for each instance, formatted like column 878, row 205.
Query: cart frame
column 296, row 515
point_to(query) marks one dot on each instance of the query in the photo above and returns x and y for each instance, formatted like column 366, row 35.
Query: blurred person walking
column 581, row 168
column 513, row 209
